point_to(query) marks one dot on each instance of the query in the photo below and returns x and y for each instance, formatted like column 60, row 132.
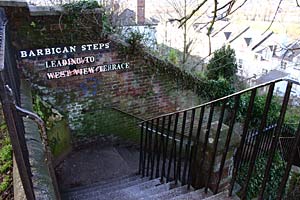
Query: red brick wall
column 140, row 90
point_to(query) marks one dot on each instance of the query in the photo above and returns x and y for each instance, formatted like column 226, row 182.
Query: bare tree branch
column 224, row 6
column 209, row 45
column 275, row 14
column 186, row 18
column 214, row 17
column 230, row 6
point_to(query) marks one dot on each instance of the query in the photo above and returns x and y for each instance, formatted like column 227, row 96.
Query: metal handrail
column 227, row 97
column 42, row 126
column 158, row 143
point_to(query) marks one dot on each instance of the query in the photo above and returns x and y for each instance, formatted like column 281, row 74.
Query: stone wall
column 143, row 88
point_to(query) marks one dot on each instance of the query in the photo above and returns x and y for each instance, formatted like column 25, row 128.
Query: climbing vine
column 6, row 162
column 88, row 19
column 255, row 183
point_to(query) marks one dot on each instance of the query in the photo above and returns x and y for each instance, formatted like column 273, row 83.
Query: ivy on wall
column 255, row 183
column 80, row 22
column 100, row 120
column 57, row 127
column 6, row 163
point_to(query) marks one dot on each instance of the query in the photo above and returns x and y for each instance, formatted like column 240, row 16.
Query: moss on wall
column 108, row 121
column 57, row 127
column 59, row 138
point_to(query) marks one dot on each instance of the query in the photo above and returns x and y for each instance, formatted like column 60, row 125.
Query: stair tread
column 104, row 163
column 132, row 192
column 136, row 188
column 158, row 189
column 105, row 183
column 168, row 194
column 222, row 196
column 194, row 195
column 100, row 191
column 131, row 156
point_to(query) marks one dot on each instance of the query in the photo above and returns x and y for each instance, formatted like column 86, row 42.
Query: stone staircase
column 133, row 187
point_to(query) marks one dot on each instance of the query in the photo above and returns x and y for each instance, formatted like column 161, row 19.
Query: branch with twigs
column 186, row 18
column 275, row 14
column 214, row 17
column 228, row 11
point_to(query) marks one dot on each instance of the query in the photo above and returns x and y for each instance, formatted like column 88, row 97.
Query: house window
column 283, row 65
column 240, row 61
column 264, row 71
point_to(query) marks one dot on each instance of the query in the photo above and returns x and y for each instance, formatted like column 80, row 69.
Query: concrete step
column 105, row 183
column 167, row 194
column 103, row 164
column 222, row 196
column 130, row 155
column 99, row 190
column 157, row 189
column 195, row 195
column 133, row 192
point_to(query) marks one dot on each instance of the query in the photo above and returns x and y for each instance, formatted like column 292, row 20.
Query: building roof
column 127, row 17
column 272, row 75
column 292, row 51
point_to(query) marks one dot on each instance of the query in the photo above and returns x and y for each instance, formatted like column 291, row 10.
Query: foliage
column 135, row 39
column 6, row 153
column 98, row 120
column 293, row 188
column 221, row 87
column 6, row 182
column 258, row 109
column 57, row 129
column 79, row 6
column 214, row 89
column 173, row 57
column 255, row 183
column 5, row 160
column 222, row 64
column 42, row 109
column 88, row 17
column 292, row 117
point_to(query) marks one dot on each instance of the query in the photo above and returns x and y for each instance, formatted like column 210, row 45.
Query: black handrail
column 228, row 96
column 13, row 120
column 190, row 134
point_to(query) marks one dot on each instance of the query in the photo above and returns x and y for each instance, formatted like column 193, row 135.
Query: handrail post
column 17, row 140
column 44, row 138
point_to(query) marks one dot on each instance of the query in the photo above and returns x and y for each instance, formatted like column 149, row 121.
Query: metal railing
column 8, row 84
column 174, row 146
column 13, row 114
column 285, row 143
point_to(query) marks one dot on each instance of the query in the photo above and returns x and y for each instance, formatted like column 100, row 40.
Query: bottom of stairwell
column 134, row 187
column 108, row 173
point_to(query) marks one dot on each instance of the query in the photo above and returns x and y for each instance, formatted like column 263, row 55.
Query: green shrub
column 107, row 121
column 5, row 183
column 293, row 189
column 79, row 6
column 255, row 183
column 222, row 64
column 6, row 153
column 173, row 56
column 258, row 109
column 5, row 159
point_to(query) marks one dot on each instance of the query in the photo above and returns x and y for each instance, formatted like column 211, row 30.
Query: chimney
column 140, row 12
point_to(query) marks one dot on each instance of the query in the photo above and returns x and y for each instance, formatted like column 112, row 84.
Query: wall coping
column 38, row 10
column 14, row 3
column 41, row 179
column 45, row 10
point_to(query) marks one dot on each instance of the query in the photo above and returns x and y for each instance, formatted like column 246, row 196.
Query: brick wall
column 142, row 90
